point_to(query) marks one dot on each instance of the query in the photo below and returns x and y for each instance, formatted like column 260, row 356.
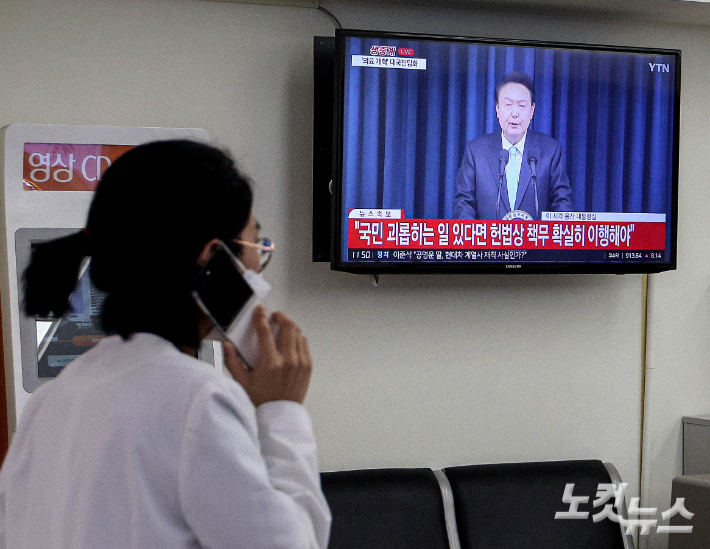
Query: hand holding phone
column 285, row 364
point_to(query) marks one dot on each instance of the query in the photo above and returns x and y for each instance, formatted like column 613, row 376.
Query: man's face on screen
column 514, row 110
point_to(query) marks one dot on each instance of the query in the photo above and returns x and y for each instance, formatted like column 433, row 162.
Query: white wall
column 679, row 346
column 422, row 371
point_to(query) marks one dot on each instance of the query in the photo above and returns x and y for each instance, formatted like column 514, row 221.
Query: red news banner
column 383, row 233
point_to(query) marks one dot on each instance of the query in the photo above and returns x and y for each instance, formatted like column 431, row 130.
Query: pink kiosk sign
column 67, row 166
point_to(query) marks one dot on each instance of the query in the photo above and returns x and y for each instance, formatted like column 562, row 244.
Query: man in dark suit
column 515, row 174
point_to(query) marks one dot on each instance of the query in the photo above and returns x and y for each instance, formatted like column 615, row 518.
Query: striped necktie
column 512, row 173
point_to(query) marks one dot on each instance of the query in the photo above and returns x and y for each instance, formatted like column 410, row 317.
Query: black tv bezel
column 323, row 63
column 620, row 267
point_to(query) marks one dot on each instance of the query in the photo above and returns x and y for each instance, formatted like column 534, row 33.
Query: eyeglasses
column 265, row 247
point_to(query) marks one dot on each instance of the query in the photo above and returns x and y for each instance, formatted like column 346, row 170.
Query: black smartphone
column 227, row 298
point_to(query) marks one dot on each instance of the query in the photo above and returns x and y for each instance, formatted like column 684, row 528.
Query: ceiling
column 656, row 11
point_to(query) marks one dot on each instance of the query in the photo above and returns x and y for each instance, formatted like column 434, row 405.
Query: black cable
column 333, row 17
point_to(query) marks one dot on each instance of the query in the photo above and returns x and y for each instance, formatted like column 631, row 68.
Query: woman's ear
column 208, row 251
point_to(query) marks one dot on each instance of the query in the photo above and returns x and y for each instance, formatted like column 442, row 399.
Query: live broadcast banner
column 492, row 234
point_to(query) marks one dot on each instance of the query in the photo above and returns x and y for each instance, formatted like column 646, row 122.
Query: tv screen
column 461, row 154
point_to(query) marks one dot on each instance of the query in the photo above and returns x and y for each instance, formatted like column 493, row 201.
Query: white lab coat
column 137, row 445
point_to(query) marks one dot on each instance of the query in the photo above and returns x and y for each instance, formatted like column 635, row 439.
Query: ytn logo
column 659, row 67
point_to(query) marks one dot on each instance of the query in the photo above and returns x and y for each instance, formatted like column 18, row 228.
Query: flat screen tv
column 456, row 154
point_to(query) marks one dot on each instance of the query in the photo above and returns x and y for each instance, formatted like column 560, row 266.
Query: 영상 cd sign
column 478, row 155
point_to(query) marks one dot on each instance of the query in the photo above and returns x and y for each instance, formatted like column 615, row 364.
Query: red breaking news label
column 487, row 234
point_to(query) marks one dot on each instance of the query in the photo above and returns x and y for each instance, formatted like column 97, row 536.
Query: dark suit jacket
column 477, row 179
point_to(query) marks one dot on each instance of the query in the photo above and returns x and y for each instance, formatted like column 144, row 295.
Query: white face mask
column 260, row 286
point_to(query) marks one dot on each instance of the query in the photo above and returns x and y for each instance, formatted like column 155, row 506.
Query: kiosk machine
column 49, row 173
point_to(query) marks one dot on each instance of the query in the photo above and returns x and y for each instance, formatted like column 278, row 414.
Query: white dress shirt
column 513, row 183
column 137, row 445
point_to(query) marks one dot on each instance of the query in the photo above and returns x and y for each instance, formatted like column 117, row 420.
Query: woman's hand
column 284, row 369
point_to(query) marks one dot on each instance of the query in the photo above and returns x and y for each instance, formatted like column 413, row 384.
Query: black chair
column 385, row 509
column 695, row 490
column 513, row 505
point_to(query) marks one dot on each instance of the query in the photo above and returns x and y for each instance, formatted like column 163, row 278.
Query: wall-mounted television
column 455, row 154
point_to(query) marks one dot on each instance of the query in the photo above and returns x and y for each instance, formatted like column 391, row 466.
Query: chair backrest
column 695, row 491
column 385, row 509
column 513, row 505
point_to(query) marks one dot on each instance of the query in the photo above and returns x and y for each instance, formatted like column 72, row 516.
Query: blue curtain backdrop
column 405, row 130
